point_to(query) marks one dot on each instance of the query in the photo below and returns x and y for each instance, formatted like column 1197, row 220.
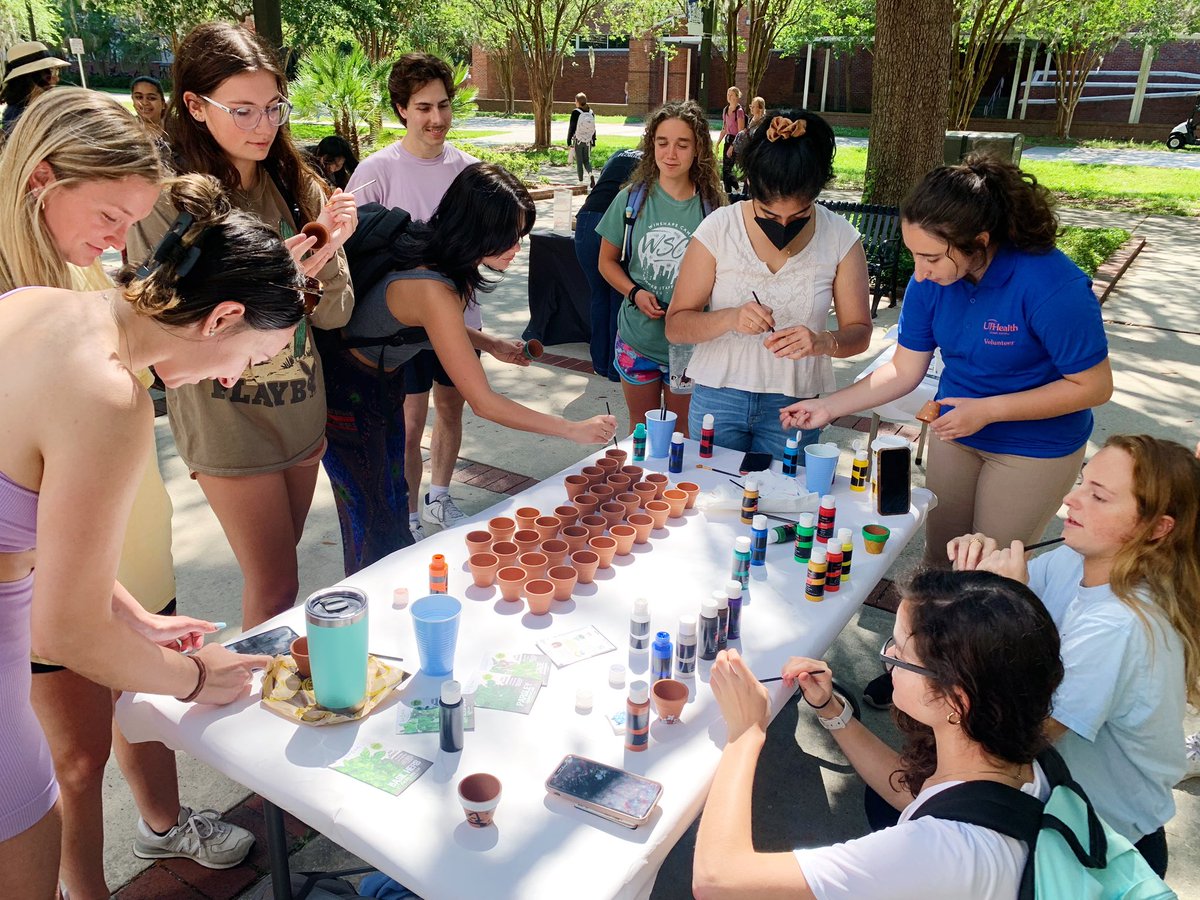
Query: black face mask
column 781, row 235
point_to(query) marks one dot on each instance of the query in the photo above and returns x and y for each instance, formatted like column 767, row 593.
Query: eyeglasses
column 247, row 117
column 891, row 662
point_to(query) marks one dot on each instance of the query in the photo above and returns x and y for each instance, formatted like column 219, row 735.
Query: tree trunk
column 993, row 21
column 541, row 94
column 731, row 42
column 909, row 95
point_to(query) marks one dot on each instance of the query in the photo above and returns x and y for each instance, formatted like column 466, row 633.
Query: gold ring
column 976, row 540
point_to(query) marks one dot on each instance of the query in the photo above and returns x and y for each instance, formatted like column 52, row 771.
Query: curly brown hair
column 703, row 172
column 413, row 71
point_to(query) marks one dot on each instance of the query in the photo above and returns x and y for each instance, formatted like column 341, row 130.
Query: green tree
column 769, row 19
column 345, row 86
column 29, row 20
column 842, row 26
column 980, row 28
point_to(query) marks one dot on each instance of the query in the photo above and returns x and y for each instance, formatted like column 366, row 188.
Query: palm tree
column 346, row 86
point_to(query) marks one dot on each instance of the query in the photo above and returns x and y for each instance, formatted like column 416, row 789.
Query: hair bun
column 203, row 198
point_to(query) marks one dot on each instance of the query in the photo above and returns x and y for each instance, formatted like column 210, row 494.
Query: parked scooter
column 1184, row 134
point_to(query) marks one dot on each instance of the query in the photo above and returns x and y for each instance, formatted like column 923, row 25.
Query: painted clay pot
column 642, row 525
column 603, row 492
column 631, row 502
column 479, row 795
column 534, row 349
column 605, row 548
column 534, row 563
column 609, row 466
column 621, row 456
column 539, row 594
column 634, row 472
column 575, row 484
column 502, row 528
column 575, row 537
column 658, row 510
column 507, row 552
column 484, row 567
column 670, row 696
column 547, row 527
column 595, row 525
column 527, row 539
column 620, row 483
column 624, row 535
column 645, row 492
column 587, row 503
column 299, row 651
column 660, row 482
column 479, row 542
column 555, row 550
column 613, row 513
column 875, row 537
column 594, row 475
column 677, row 500
column 585, row 562
column 563, row 578
column 512, row 581
column 929, row 412
column 525, row 517
column 691, row 489
column 567, row 514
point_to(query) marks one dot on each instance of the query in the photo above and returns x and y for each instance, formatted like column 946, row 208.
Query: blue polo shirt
column 1030, row 321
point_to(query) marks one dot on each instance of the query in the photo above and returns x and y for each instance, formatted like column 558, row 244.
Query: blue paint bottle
column 675, row 454
column 733, row 590
column 741, row 561
column 791, row 457
column 758, row 541
column 660, row 657
column 639, row 442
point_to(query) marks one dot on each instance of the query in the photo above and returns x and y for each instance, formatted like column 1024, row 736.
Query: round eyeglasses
column 891, row 662
column 247, row 117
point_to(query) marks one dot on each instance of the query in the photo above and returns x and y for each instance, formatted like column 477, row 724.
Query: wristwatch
column 840, row 721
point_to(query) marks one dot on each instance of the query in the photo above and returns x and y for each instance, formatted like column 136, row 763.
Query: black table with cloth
column 559, row 295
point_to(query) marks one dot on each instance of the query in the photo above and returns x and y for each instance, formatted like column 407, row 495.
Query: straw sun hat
column 29, row 56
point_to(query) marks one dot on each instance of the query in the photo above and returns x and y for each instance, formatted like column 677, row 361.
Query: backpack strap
column 288, row 197
column 637, row 198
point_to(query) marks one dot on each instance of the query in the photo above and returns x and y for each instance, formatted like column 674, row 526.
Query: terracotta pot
column 620, row 483
column 299, row 651
column 642, row 524
column 534, row 563
column 594, row 475
column 645, row 492
column 585, row 562
column 539, row 593
column 547, row 527
column 586, row 503
column 484, row 567
column 512, row 581
column 479, row 795
column 610, row 466
column 563, row 578
column 595, row 525
column 875, row 537
column 631, row 501
column 677, row 500
column 479, row 542
column 555, row 551
column 575, row 537
column 658, row 510
column 507, row 552
column 613, row 513
column 502, row 528
column 525, row 517
column 575, row 484
column 534, row 349
column 624, row 535
column 603, row 492
column 605, row 548
column 621, row 456
column 567, row 514
column 670, row 696
column 691, row 489
column 527, row 539
column 660, row 482
column 634, row 472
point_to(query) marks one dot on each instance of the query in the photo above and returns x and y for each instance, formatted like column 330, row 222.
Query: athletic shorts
column 634, row 368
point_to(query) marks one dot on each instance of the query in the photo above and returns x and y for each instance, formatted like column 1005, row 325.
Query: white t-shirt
column 1122, row 697
column 922, row 859
column 800, row 293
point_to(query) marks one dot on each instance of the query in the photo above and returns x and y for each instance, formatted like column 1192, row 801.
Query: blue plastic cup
column 820, row 464
column 660, row 428
column 435, row 621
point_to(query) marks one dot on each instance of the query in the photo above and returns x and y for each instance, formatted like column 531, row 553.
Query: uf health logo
column 660, row 252
column 997, row 334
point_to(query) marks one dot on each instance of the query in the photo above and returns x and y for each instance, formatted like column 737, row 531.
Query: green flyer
column 381, row 767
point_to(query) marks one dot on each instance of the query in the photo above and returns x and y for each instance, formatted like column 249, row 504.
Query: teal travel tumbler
column 336, row 620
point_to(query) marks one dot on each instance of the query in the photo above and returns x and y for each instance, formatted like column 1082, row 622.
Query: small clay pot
column 620, row 483
column 512, row 581
column 595, row 525
column 526, row 516
column 534, row 563
column 631, row 502
column 609, row 466
column 502, row 528
column 660, row 482
column 479, row 542
column 575, row 537
column 563, row 578
column 567, row 514
column 586, row 503
column 547, row 526
column 670, row 696
column 929, row 412
column 484, row 567
column 539, row 593
column 585, row 562
column 527, row 539
column 605, row 548
column 642, row 525
column 594, row 474
column 555, row 550
column 533, row 349
column 691, row 489
column 621, row 456
column 299, row 651
column 677, row 500
column 875, row 537
column 613, row 513
column 603, row 492
column 479, row 795
column 646, row 491
column 624, row 535
column 658, row 510
column 634, row 472
column 507, row 552
column 575, row 484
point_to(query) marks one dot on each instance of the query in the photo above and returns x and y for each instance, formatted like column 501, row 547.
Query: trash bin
column 1005, row 145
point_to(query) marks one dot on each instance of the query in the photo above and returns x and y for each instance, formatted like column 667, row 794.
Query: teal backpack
column 1072, row 852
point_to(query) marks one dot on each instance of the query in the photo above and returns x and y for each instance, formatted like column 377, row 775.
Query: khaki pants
column 1006, row 497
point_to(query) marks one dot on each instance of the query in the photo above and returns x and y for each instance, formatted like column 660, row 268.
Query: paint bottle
column 782, row 534
column 708, row 630
column 685, row 648
column 675, row 453
column 439, row 575
column 845, row 537
column 814, row 585
column 833, row 570
column 721, row 599
column 749, row 500
column 825, row 517
column 859, row 471
column 708, row 431
column 637, row 717
column 639, row 442
column 758, row 541
column 805, row 531
column 791, row 457
column 660, row 657
column 639, row 625
column 450, row 717
column 733, row 591
column 741, row 561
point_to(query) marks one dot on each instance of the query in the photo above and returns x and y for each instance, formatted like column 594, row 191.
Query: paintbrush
column 760, row 303
column 361, row 186
column 608, row 409
column 1040, row 544
column 715, row 469
column 780, row 677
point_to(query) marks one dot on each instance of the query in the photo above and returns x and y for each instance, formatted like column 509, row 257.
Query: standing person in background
column 150, row 104
column 413, row 174
column 758, row 115
column 30, row 70
column 581, row 137
column 733, row 122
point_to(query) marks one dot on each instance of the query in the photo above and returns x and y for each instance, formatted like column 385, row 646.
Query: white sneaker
column 442, row 511
column 1192, row 748
column 200, row 836
column 417, row 530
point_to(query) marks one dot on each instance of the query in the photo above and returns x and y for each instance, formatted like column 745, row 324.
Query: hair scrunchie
column 782, row 128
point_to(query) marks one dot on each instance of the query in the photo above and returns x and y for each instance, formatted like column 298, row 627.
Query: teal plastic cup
column 820, row 465
column 435, row 621
column 660, row 431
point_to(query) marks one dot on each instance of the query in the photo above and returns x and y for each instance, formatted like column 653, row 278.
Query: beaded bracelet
column 203, row 677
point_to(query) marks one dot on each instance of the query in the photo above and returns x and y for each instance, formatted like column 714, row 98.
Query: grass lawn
column 560, row 117
column 311, row 133
column 1089, row 247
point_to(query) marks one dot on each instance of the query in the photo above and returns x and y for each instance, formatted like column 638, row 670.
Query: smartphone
column 893, row 483
column 605, row 791
column 275, row 642
column 755, row 462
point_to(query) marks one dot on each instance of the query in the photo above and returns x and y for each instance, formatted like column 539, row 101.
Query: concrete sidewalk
column 804, row 795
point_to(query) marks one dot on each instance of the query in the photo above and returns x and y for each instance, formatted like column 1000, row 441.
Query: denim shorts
column 745, row 420
column 634, row 368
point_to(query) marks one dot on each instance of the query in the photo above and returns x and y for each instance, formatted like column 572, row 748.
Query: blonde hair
column 83, row 136
column 1162, row 575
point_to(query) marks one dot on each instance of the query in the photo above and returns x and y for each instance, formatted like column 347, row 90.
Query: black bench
column 880, row 230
